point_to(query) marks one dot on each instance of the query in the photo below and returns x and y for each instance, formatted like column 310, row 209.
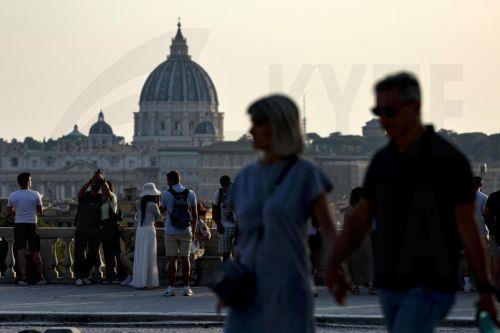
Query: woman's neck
column 271, row 157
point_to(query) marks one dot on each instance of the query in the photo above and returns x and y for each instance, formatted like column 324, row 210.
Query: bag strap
column 185, row 194
column 174, row 193
column 289, row 164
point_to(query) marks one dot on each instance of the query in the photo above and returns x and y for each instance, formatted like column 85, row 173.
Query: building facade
column 178, row 127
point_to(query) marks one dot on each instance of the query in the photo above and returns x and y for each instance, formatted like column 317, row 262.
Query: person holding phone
column 87, row 228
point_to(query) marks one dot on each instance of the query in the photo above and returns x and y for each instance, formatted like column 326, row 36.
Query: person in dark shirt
column 87, row 228
column 419, row 189
column 492, row 217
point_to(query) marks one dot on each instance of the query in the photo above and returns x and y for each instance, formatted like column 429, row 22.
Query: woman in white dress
column 145, row 273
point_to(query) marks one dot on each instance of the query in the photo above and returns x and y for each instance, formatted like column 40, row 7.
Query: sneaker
column 105, row 282
column 79, row 282
column 22, row 283
column 42, row 282
column 187, row 292
column 355, row 290
column 86, row 281
column 170, row 291
column 127, row 281
column 115, row 282
column 372, row 291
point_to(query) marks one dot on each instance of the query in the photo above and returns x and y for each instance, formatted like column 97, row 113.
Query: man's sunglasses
column 387, row 111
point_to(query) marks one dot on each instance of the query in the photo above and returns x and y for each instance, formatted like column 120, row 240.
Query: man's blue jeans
column 417, row 310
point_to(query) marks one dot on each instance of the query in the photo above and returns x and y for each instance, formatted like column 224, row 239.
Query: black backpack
column 181, row 212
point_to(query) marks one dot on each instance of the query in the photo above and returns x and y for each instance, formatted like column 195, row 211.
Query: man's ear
column 418, row 107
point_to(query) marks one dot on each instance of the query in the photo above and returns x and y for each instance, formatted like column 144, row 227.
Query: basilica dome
column 178, row 106
column 101, row 127
column 179, row 79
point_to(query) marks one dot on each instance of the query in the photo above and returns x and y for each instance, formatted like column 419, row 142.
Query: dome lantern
column 179, row 47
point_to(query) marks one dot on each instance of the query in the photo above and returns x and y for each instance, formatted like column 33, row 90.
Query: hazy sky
column 61, row 61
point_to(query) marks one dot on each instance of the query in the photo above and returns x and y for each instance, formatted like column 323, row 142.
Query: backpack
column 181, row 211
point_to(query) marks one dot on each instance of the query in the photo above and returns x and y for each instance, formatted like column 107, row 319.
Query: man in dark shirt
column 492, row 219
column 87, row 237
column 419, row 189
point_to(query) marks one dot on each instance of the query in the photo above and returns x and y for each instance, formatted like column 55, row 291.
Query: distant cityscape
column 179, row 126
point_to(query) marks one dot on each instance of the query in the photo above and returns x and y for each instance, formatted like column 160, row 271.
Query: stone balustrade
column 62, row 272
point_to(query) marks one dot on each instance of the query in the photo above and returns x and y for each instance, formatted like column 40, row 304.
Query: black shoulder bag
column 233, row 282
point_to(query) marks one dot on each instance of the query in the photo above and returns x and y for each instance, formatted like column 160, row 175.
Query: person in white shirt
column 179, row 205
column 24, row 204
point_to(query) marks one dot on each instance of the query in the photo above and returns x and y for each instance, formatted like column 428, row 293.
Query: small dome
column 101, row 127
column 205, row 127
column 75, row 134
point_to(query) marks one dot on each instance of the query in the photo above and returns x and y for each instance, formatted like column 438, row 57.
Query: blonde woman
column 273, row 200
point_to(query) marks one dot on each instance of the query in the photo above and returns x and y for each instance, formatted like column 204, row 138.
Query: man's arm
column 84, row 188
column 194, row 213
column 163, row 209
column 475, row 252
column 105, row 189
column 39, row 206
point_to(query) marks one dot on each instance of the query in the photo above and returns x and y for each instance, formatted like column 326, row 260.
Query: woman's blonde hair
column 283, row 114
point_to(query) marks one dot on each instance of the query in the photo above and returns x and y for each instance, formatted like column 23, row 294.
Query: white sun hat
column 150, row 189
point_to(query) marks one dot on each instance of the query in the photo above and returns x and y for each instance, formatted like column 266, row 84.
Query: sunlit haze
column 52, row 51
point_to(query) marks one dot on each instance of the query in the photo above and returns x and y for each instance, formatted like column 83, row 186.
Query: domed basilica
column 178, row 127
column 178, row 106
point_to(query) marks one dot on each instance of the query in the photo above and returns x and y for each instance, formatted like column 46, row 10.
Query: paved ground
column 21, row 305
column 117, row 299
column 351, row 329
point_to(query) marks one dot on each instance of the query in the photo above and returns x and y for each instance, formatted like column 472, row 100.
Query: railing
column 60, row 270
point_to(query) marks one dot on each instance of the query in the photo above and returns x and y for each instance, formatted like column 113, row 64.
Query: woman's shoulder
column 307, row 165
column 248, row 171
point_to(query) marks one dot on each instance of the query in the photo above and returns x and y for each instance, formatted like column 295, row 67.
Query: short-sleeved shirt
column 227, row 210
column 167, row 202
column 283, row 300
column 88, row 217
column 112, row 203
column 481, row 200
column 25, row 203
column 414, row 194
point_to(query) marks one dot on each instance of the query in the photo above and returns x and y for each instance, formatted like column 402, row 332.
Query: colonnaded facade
column 178, row 126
